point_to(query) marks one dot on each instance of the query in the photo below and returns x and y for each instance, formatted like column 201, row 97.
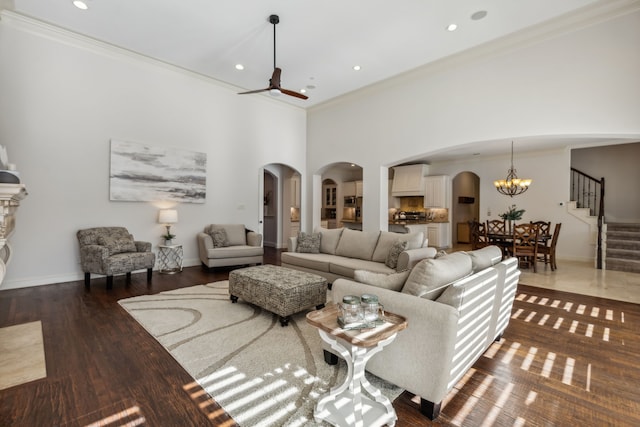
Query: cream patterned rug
column 261, row 373
column 21, row 354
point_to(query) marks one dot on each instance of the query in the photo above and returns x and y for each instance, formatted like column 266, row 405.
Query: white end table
column 170, row 259
column 347, row 405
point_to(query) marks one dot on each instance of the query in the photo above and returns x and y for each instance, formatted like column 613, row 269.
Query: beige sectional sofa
column 451, row 321
column 342, row 251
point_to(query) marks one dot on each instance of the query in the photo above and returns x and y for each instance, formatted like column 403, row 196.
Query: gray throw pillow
column 219, row 237
column 393, row 281
column 394, row 253
column 308, row 243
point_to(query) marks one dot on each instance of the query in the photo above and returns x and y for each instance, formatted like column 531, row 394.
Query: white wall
column 585, row 82
column 619, row 165
column 63, row 99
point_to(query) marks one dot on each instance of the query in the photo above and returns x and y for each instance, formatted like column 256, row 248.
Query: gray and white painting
column 143, row 173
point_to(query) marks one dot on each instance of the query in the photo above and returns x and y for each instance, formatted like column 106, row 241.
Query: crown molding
column 596, row 13
column 60, row 35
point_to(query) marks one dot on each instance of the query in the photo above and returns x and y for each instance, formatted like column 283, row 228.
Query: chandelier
column 512, row 186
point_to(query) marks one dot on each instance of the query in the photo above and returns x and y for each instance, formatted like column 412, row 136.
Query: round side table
column 170, row 259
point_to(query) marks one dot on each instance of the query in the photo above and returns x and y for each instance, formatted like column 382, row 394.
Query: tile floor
column 581, row 278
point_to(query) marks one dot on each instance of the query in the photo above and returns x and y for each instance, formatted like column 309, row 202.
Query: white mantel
column 10, row 196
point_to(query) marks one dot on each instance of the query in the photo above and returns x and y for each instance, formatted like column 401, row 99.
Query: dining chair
column 479, row 238
column 497, row 235
column 496, row 226
column 525, row 244
column 547, row 253
column 544, row 228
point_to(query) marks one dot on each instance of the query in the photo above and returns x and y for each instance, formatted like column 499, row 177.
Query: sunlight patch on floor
column 22, row 356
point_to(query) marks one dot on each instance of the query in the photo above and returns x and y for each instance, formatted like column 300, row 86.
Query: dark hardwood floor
column 565, row 359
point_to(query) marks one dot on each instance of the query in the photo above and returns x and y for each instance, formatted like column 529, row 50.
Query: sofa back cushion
column 357, row 244
column 117, row 244
column 329, row 239
column 236, row 234
column 429, row 278
column 388, row 238
column 485, row 257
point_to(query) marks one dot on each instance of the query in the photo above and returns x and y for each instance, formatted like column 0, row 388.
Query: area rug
column 261, row 373
column 21, row 354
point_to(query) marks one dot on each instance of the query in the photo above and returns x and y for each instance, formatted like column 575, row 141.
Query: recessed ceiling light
column 479, row 15
column 80, row 4
column 311, row 87
column 239, row 67
column 357, row 68
column 303, row 90
column 452, row 27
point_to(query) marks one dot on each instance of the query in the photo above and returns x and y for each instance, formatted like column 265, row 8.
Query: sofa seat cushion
column 318, row 262
column 357, row 244
column 126, row 262
column 347, row 266
column 237, row 251
column 430, row 277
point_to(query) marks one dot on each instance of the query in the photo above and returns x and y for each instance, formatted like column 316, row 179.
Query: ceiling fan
column 274, row 83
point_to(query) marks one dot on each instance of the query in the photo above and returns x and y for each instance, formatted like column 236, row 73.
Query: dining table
column 505, row 241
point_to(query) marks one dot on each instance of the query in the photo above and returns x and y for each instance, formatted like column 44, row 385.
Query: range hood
column 409, row 180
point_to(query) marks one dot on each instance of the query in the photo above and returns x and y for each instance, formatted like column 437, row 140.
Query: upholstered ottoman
column 280, row 290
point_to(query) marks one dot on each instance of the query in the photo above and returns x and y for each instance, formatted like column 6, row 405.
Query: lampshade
column 168, row 216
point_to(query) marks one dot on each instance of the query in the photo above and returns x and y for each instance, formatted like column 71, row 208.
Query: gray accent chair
column 112, row 250
column 223, row 245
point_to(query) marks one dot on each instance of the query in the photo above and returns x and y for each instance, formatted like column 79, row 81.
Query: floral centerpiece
column 512, row 214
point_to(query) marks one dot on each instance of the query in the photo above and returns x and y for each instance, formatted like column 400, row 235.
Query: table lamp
column 168, row 217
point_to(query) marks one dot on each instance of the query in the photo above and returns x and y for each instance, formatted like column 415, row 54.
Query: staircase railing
column 588, row 192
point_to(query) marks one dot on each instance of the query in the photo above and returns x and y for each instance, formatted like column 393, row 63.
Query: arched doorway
column 281, row 194
column 465, row 206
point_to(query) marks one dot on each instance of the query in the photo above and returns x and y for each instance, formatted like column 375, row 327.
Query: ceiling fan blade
column 293, row 93
column 254, row 91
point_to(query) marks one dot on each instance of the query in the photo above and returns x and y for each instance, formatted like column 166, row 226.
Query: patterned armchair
column 112, row 250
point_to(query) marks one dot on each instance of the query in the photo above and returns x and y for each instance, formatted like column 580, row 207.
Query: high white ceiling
column 318, row 42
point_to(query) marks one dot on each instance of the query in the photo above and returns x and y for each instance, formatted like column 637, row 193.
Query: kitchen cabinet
column 295, row 191
column 349, row 189
column 437, row 191
column 295, row 229
column 330, row 196
column 358, row 188
column 409, row 180
column 439, row 235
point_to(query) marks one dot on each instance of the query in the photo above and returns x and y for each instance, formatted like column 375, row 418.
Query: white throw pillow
column 393, row 281
column 430, row 277
column 485, row 257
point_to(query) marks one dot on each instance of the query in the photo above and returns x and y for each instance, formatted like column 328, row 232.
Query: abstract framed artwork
column 144, row 173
